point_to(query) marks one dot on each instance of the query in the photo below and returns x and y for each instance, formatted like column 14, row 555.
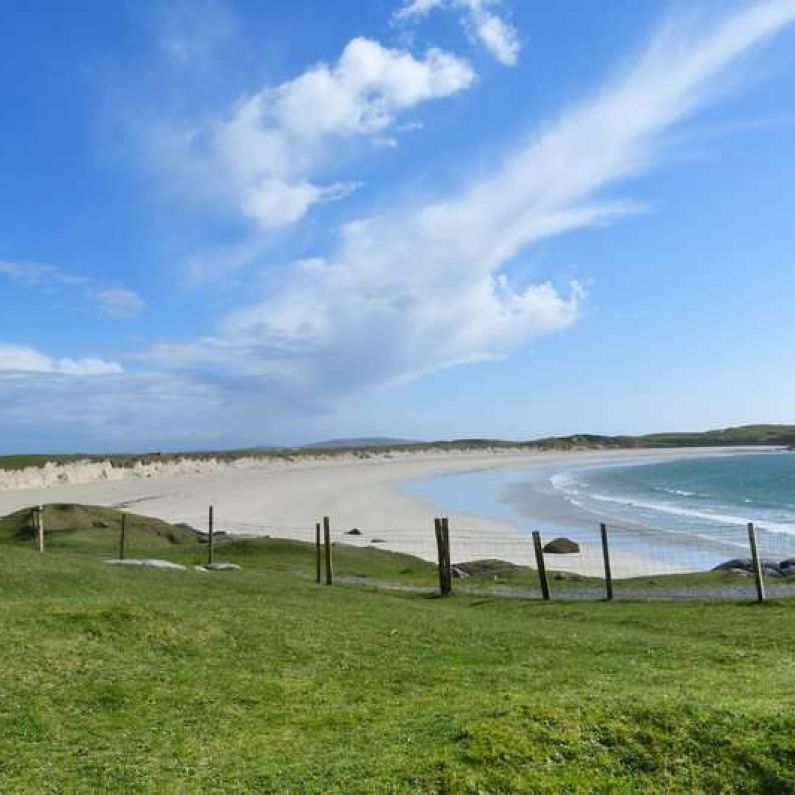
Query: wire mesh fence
column 607, row 561
column 604, row 561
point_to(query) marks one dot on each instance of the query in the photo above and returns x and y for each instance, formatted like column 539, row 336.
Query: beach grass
column 259, row 680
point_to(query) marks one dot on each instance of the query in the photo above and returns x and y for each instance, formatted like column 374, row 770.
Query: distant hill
column 359, row 443
column 744, row 435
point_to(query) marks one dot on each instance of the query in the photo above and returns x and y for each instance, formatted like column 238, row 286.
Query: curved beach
column 285, row 498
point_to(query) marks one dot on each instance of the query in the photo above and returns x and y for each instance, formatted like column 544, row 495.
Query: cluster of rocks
column 770, row 568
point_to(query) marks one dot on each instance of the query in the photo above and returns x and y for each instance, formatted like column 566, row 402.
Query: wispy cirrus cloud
column 118, row 302
column 428, row 286
column 480, row 20
column 113, row 302
column 26, row 359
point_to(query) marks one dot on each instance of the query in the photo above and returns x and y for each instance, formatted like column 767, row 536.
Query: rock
column 743, row 564
column 100, row 524
column 460, row 573
column 567, row 575
column 377, row 541
column 150, row 563
column 739, row 572
column 787, row 567
column 485, row 568
column 221, row 567
column 218, row 535
column 354, row 531
column 770, row 568
column 562, row 546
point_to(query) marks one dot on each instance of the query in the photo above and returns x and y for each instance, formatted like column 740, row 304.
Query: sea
column 701, row 502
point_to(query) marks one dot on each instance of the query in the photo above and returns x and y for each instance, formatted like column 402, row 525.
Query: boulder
column 354, row 531
column 460, row 573
column 787, row 567
column 203, row 537
column 743, row 564
column 770, row 568
column 377, row 541
column 485, row 568
column 562, row 546
column 739, row 572
column 567, row 575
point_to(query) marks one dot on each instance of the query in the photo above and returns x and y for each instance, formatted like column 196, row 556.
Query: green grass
column 134, row 680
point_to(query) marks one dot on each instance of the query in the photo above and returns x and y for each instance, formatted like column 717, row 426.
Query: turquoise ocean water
column 701, row 499
column 696, row 494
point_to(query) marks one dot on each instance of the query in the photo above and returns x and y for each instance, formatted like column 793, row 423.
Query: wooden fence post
column 40, row 528
column 542, row 569
column 329, row 560
column 437, row 529
column 760, row 583
column 448, row 570
column 317, row 553
column 606, row 556
column 121, row 535
column 210, row 536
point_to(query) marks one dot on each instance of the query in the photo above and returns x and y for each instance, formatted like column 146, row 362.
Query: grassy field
column 136, row 680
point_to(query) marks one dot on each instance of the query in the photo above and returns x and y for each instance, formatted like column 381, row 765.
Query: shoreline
column 285, row 499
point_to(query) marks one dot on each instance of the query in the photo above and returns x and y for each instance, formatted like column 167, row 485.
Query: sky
column 231, row 223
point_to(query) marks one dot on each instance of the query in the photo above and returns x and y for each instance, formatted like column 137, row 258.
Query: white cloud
column 276, row 202
column 261, row 156
column 24, row 359
column 427, row 286
column 488, row 28
column 126, row 410
column 119, row 302
column 34, row 274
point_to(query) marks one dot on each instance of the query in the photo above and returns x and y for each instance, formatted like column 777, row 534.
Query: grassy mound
column 126, row 680
column 92, row 528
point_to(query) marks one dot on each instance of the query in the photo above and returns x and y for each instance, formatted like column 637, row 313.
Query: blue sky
column 239, row 223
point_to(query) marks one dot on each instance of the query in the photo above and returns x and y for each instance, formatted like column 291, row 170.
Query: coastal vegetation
column 746, row 435
column 137, row 680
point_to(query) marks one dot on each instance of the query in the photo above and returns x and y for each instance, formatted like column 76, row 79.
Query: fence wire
column 645, row 562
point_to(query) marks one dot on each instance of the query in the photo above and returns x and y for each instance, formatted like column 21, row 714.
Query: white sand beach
column 284, row 498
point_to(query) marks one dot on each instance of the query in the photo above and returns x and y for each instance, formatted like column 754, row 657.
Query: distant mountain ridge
column 359, row 443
